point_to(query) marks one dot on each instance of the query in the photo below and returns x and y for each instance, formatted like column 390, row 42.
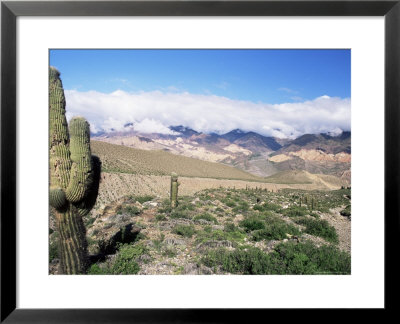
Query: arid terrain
column 227, row 221
column 223, row 231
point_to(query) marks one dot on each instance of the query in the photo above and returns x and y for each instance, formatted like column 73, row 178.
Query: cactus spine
column 74, row 178
column 174, row 189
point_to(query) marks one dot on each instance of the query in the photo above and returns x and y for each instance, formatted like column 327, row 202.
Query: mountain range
column 246, row 150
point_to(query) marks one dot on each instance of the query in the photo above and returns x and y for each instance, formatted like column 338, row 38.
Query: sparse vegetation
column 288, row 258
column 184, row 230
column 319, row 228
column 225, row 230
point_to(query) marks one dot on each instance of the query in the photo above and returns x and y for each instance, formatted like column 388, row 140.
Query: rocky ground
column 144, row 235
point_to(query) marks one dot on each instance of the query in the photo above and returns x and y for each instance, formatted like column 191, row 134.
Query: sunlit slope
column 304, row 177
column 118, row 158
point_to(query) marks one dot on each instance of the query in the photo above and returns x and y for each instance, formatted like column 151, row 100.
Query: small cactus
column 174, row 189
column 74, row 179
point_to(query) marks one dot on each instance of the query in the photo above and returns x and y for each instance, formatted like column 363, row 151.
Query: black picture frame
column 10, row 10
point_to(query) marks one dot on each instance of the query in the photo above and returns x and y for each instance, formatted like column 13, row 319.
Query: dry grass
column 122, row 159
column 114, row 186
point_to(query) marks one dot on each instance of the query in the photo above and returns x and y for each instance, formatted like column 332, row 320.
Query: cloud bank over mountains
column 155, row 111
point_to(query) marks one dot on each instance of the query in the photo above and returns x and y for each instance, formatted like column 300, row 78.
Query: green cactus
column 74, row 178
column 174, row 189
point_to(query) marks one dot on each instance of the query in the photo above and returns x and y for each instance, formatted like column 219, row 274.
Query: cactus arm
column 84, row 206
column 57, row 198
column 81, row 169
column 60, row 163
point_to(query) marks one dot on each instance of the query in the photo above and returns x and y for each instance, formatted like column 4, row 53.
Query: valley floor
column 114, row 186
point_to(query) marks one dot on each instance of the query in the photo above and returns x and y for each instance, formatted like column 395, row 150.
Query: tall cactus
column 74, row 179
column 174, row 189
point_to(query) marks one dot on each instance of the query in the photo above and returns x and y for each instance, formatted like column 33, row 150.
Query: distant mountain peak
column 184, row 130
column 237, row 131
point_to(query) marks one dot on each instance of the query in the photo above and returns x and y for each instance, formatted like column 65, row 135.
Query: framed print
column 199, row 151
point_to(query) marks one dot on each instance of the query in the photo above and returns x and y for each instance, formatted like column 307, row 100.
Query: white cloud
column 156, row 110
column 149, row 126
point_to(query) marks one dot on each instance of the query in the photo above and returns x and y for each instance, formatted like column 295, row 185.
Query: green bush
column 252, row 224
column 288, row 258
column 230, row 203
column 207, row 217
column 132, row 210
column 305, row 258
column 230, row 227
column 272, row 207
column 143, row 199
column 275, row 232
column 184, row 230
column 185, row 206
column 125, row 261
column 346, row 211
column 176, row 213
column 242, row 207
column 319, row 228
column 95, row 269
column 219, row 235
column 295, row 211
column 251, row 261
column 53, row 252
column 160, row 217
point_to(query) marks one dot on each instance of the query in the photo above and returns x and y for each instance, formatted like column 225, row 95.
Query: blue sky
column 270, row 76
column 281, row 93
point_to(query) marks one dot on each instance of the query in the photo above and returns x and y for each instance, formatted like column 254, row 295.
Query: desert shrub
column 158, row 242
column 165, row 207
column 53, row 251
column 169, row 252
column 160, row 217
column 185, row 206
column 294, row 211
column 305, row 258
column 125, row 261
column 207, row 217
column 143, row 199
column 220, row 235
column 250, row 261
column 230, row 203
column 252, row 224
column 242, row 207
column 319, row 228
column 95, row 269
column 184, row 230
column 275, row 232
column 179, row 214
column 230, row 227
column 272, row 207
column 89, row 221
column 132, row 210
column 346, row 211
column 288, row 258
